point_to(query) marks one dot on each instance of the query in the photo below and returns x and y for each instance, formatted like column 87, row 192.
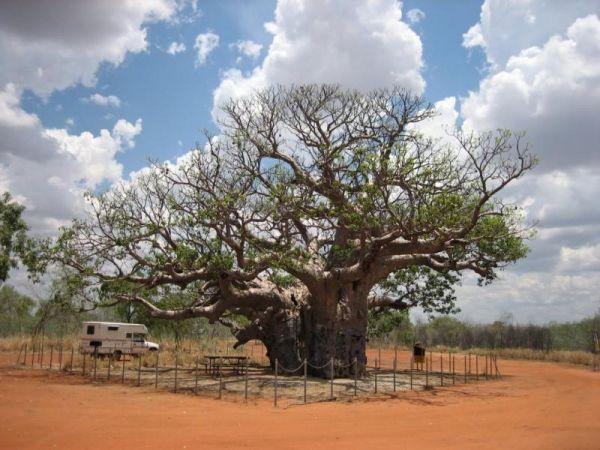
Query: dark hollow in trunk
column 331, row 326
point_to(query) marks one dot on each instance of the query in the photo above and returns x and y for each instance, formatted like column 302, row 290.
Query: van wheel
column 117, row 355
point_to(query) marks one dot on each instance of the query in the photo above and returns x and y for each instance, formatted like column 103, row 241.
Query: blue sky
column 174, row 98
column 526, row 64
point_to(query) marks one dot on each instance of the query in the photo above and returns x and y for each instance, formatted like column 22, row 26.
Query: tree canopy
column 313, row 204
column 12, row 234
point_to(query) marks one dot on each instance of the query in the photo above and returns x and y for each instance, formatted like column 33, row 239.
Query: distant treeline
column 452, row 332
column 19, row 314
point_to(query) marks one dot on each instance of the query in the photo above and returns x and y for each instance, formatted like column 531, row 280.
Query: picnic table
column 213, row 363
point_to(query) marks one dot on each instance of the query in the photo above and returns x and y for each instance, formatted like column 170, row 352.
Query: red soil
column 536, row 406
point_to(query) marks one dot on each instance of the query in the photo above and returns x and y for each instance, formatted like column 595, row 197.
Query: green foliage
column 16, row 311
column 393, row 324
column 420, row 286
column 12, row 234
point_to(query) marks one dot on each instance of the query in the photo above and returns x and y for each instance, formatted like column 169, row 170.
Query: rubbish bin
column 419, row 353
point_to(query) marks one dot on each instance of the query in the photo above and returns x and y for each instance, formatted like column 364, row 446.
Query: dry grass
column 559, row 356
column 188, row 349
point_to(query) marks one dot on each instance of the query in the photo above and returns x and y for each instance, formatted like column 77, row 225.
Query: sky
column 91, row 91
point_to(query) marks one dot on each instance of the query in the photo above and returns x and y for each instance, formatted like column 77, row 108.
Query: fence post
column 498, row 374
column 486, row 367
column 331, row 379
column 394, row 369
column 426, row 373
column 465, row 369
column 275, row 391
column 431, row 361
column 71, row 363
column 469, row 364
column 246, row 382
column 176, row 372
column 220, row 379
column 25, row 356
column 110, row 360
column 51, row 356
column 156, row 371
column 32, row 354
column 60, row 356
column 195, row 377
column 453, row 370
column 355, row 376
column 376, row 372
column 123, row 370
column 441, row 369
column 18, row 361
column 476, row 367
column 305, row 376
column 83, row 365
column 411, row 371
column 42, row 354
column 95, row 361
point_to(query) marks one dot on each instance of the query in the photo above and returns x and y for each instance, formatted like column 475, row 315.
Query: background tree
column 16, row 311
column 312, row 205
column 12, row 234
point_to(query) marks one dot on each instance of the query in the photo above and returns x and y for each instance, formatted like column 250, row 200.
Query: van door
column 138, row 343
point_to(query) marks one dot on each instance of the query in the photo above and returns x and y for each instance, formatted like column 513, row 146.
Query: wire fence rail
column 251, row 379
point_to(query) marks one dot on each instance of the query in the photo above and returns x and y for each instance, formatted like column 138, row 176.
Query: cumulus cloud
column 176, row 47
column 441, row 126
column 362, row 45
column 48, row 169
column 205, row 44
column 507, row 27
column 250, row 49
column 108, row 100
column 47, row 46
column 543, row 77
column 415, row 15
column 551, row 91
column 95, row 155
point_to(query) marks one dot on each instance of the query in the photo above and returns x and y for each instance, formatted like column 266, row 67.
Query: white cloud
column 553, row 92
column 47, row 46
column 49, row 168
column 205, row 44
column 11, row 114
column 507, row 27
column 415, row 15
column 176, row 47
column 362, row 45
column 531, row 298
column 108, row 100
column 544, row 78
column 586, row 257
column 443, row 123
column 250, row 49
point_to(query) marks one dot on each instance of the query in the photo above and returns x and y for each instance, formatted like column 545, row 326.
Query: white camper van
column 112, row 338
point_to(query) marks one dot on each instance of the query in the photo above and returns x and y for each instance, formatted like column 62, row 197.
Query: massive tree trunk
column 330, row 323
column 280, row 337
column 335, row 326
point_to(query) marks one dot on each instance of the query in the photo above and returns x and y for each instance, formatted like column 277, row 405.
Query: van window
column 113, row 328
column 128, row 335
column 90, row 329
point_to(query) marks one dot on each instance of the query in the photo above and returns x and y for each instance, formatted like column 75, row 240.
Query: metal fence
column 392, row 373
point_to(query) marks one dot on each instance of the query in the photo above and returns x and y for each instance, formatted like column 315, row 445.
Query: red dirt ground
column 537, row 406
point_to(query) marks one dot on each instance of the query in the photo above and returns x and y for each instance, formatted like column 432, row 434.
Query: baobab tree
column 312, row 205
